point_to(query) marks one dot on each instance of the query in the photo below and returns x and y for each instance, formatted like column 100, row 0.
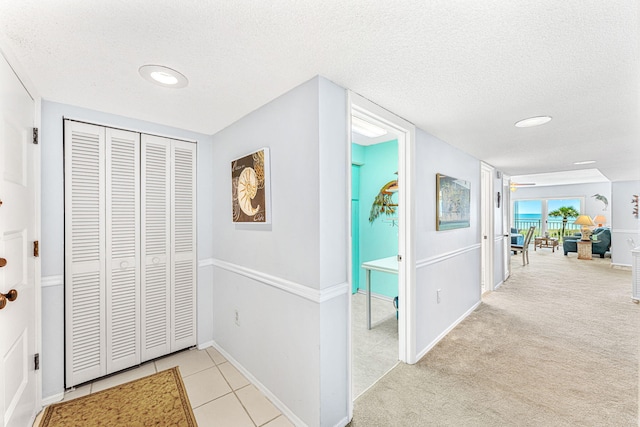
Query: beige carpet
column 157, row 400
column 556, row 345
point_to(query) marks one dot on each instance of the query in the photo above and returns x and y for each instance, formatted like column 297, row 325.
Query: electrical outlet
column 438, row 295
column 237, row 317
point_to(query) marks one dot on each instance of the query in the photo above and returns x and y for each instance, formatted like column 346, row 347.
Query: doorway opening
column 379, row 191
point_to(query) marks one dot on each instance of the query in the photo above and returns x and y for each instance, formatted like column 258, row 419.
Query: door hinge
column 36, row 361
column 35, row 135
column 399, row 258
column 36, row 249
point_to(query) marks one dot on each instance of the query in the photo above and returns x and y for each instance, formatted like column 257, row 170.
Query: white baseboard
column 343, row 422
column 449, row 329
column 495, row 288
column 205, row 345
column 374, row 295
column 622, row 266
column 46, row 401
column 277, row 402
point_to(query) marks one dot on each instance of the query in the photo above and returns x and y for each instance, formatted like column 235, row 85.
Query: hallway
column 557, row 344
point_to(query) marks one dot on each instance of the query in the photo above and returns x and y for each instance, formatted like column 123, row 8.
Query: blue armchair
column 516, row 237
column 600, row 242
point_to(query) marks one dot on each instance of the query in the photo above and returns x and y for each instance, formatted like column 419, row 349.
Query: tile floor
column 219, row 394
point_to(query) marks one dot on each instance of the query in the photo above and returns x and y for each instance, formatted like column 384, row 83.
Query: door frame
column 37, row 171
column 487, row 226
column 406, row 245
column 506, row 215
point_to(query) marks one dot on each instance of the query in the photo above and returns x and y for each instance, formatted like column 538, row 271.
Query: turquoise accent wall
column 358, row 153
column 378, row 166
column 355, row 227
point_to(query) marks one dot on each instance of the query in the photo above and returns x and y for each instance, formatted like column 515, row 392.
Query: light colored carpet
column 556, row 345
column 375, row 351
column 157, row 400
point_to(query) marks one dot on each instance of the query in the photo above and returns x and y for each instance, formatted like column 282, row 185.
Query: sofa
column 516, row 238
column 600, row 242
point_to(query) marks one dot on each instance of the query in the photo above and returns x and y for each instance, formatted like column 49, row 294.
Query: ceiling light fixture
column 584, row 162
column 365, row 128
column 163, row 76
column 533, row 121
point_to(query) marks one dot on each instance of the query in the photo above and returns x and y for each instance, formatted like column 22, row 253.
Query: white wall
column 447, row 260
column 287, row 281
column 624, row 225
column 52, row 244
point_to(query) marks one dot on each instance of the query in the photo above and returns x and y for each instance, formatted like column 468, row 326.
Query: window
column 527, row 213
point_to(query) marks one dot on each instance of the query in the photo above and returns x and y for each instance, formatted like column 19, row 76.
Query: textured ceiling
column 462, row 70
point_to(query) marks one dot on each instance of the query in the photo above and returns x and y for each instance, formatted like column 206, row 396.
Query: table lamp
column 585, row 221
column 600, row 219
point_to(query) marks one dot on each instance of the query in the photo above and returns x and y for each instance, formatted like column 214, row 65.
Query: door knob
column 3, row 262
column 12, row 295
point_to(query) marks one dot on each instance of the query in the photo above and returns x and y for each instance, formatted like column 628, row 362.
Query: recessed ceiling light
column 533, row 121
column 365, row 128
column 584, row 162
column 163, row 76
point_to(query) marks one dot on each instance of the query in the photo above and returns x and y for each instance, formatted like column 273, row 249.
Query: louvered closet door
column 183, row 237
column 123, row 249
column 84, row 252
column 156, row 246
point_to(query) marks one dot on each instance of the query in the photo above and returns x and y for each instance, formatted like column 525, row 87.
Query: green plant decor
column 565, row 212
column 383, row 203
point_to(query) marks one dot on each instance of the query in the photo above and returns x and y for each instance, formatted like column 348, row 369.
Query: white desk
column 385, row 265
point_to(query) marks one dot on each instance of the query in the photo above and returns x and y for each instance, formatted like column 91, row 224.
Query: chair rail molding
column 619, row 230
column 54, row 280
column 207, row 262
column 442, row 257
column 314, row 295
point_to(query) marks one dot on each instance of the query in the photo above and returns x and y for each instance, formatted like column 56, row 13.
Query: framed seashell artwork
column 250, row 188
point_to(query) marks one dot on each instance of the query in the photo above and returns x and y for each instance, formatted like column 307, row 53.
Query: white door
column 123, row 249
column 486, row 208
column 85, row 318
column 156, row 247
column 168, row 242
column 183, row 245
column 506, row 227
column 18, row 395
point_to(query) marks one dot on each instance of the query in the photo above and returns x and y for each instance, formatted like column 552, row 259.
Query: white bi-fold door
column 119, row 221
column 102, row 251
column 168, row 245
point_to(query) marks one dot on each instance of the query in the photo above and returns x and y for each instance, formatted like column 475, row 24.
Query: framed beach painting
column 250, row 188
column 453, row 203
